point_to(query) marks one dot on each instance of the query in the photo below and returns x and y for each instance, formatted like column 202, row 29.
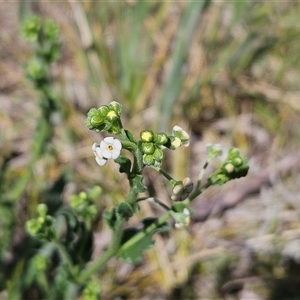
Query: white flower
column 98, row 155
column 110, row 148
column 182, row 191
column 182, row 134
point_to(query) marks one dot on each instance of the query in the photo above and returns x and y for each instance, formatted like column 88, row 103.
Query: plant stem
column 107, row 255
column 164, row 173
column 198, row 191
column 145, row 232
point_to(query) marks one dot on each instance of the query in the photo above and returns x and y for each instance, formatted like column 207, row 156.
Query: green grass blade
column 170, row 93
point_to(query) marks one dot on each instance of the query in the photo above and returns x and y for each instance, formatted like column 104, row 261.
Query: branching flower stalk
column 146, row 152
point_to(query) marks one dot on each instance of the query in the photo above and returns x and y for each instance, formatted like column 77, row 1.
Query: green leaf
column 125, row 210
column 130, row 136
column 132, row 252
column 135, row 251
column 71, row 220
column 125, row 164
column 137, row 182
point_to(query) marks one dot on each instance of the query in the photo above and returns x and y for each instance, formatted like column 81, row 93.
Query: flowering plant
column 148, row 151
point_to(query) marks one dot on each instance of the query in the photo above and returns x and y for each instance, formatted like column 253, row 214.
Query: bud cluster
column 234, row 166
column 83, row 204
column 152, row 144
column 105, row 118
column 45, row 34
column 41, row 227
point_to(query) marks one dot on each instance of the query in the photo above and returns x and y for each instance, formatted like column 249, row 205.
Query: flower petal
column 106, row 154
column 187, row 182
column 100, row 161
column 109, row 140
column 177, row 189
column 177, row 128
column 103, row 145
column 117, row 144
column 94, row 147
column 98, row 152
column 115, row 154
column 175, row 197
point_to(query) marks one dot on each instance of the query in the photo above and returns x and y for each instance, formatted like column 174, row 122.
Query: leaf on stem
column 137, row 182
column 125, row 164
column 132, row 252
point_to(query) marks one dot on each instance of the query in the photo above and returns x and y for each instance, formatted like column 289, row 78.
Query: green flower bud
column 237, row 162
column 148, row 148
column 95, row 192
column 175, row 142
column 242, row 171
column 116, row 106
column 32, row 227
column 83, row 195
column 147, row 136
column 42, row 209
column 41, row 221
column 92, row 211
column 31, row 28
column 96, row 121
column 36, row 69
column 148, row 159
column 228, row 169
column 161, row 138
column 103, row 110
column 51, row 30
column 233, row 153
column 112, row 116
column 158, row 154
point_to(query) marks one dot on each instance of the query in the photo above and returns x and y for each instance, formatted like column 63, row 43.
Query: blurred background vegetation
column 228, row 71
